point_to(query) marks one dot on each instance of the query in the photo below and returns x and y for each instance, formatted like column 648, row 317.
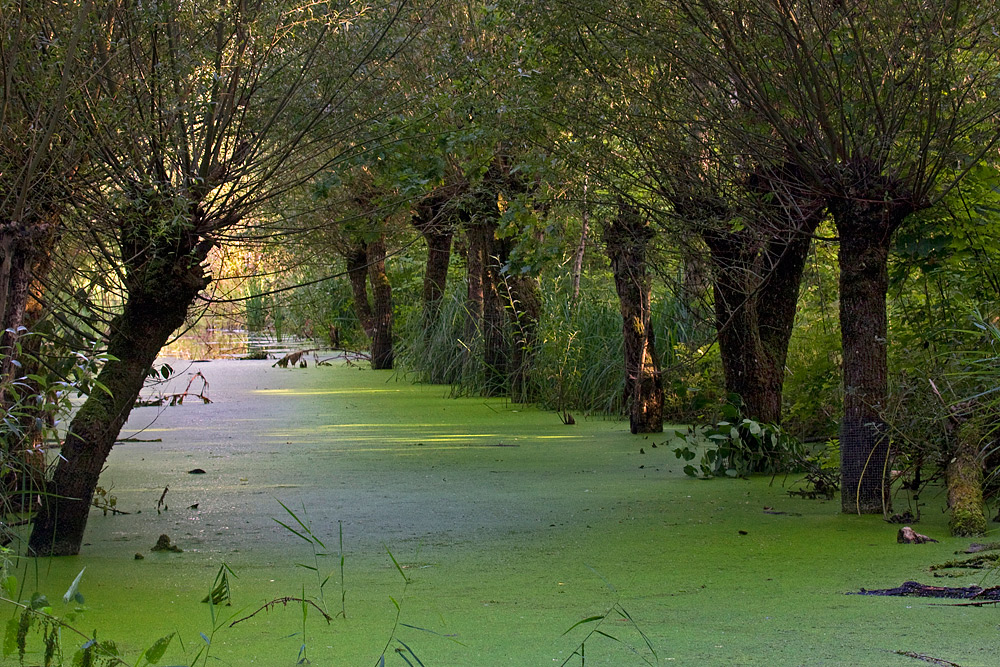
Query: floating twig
column 928, row 658
column 267, row 606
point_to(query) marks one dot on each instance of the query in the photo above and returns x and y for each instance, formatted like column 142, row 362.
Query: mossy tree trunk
column 382, row 346
column 627, row 237
column 867, row 209
column 965, row 481
column 161, row 283
column 756, row 288
column 505, row 307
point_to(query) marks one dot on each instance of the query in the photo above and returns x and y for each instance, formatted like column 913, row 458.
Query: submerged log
column 916, row 589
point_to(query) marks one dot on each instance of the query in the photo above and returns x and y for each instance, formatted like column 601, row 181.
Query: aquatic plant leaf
column 590, row 619
column 71, row 592
column 410, row 650
column 220, row 592
column 10, row 637
column 10, row 586
column 399, row 568
column 624, row 614
column 156, row 651
column 290, row 529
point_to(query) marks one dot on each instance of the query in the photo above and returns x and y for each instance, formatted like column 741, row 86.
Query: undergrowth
column 736, row 446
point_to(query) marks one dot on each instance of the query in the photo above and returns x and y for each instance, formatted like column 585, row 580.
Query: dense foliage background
column 736, row 215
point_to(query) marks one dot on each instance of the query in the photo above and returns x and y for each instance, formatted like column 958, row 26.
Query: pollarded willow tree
column 209, row 112
column 42, row 48
column 661, row 136
column 881, row 108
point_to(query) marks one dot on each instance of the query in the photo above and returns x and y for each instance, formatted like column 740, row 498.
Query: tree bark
column 382, row 346
column 159, row 294
column 475, row 242
column 430, row 220
column 752, row 371
column 357, row 274
column 581, row 246
column 965, row 482
column 24, row 259
column 524, row 311
column 867, row 212
column 496, row 351
column 757, row 275
column 626, row 239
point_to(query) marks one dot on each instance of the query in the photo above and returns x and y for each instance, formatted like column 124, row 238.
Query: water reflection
column 215, row 343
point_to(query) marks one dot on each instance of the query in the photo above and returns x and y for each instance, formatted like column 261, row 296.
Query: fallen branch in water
column 178, row 399
column 927, row 658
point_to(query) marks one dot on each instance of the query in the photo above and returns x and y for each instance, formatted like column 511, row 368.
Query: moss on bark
column 965, row 483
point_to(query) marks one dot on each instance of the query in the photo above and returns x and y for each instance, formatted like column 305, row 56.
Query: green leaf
column 396, row 563
column 10, row 637
column 156, row 651
column 71, row 592
column 10, row 586
column 589, row 619
column 290, row 529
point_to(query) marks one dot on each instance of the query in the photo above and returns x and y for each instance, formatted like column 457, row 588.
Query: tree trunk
column 965, row 482
column 581, row 246
column 357, row 274
column 752, row 371
column 867, row 213
column 475, row 243
column 24, row 258
column 25, row 261
column 626, row 239
column 438, row 233
column 155, row 307
column 382, row 348
column 496, row 351
column 757, row 275
column 695, row 286
column 524, row 310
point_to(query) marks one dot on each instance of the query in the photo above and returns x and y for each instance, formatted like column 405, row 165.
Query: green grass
column 509, row 528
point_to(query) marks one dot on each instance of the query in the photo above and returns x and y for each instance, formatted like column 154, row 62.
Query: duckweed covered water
column 510, row 526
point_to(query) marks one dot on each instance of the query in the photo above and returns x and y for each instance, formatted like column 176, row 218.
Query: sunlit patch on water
column 207, row 342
